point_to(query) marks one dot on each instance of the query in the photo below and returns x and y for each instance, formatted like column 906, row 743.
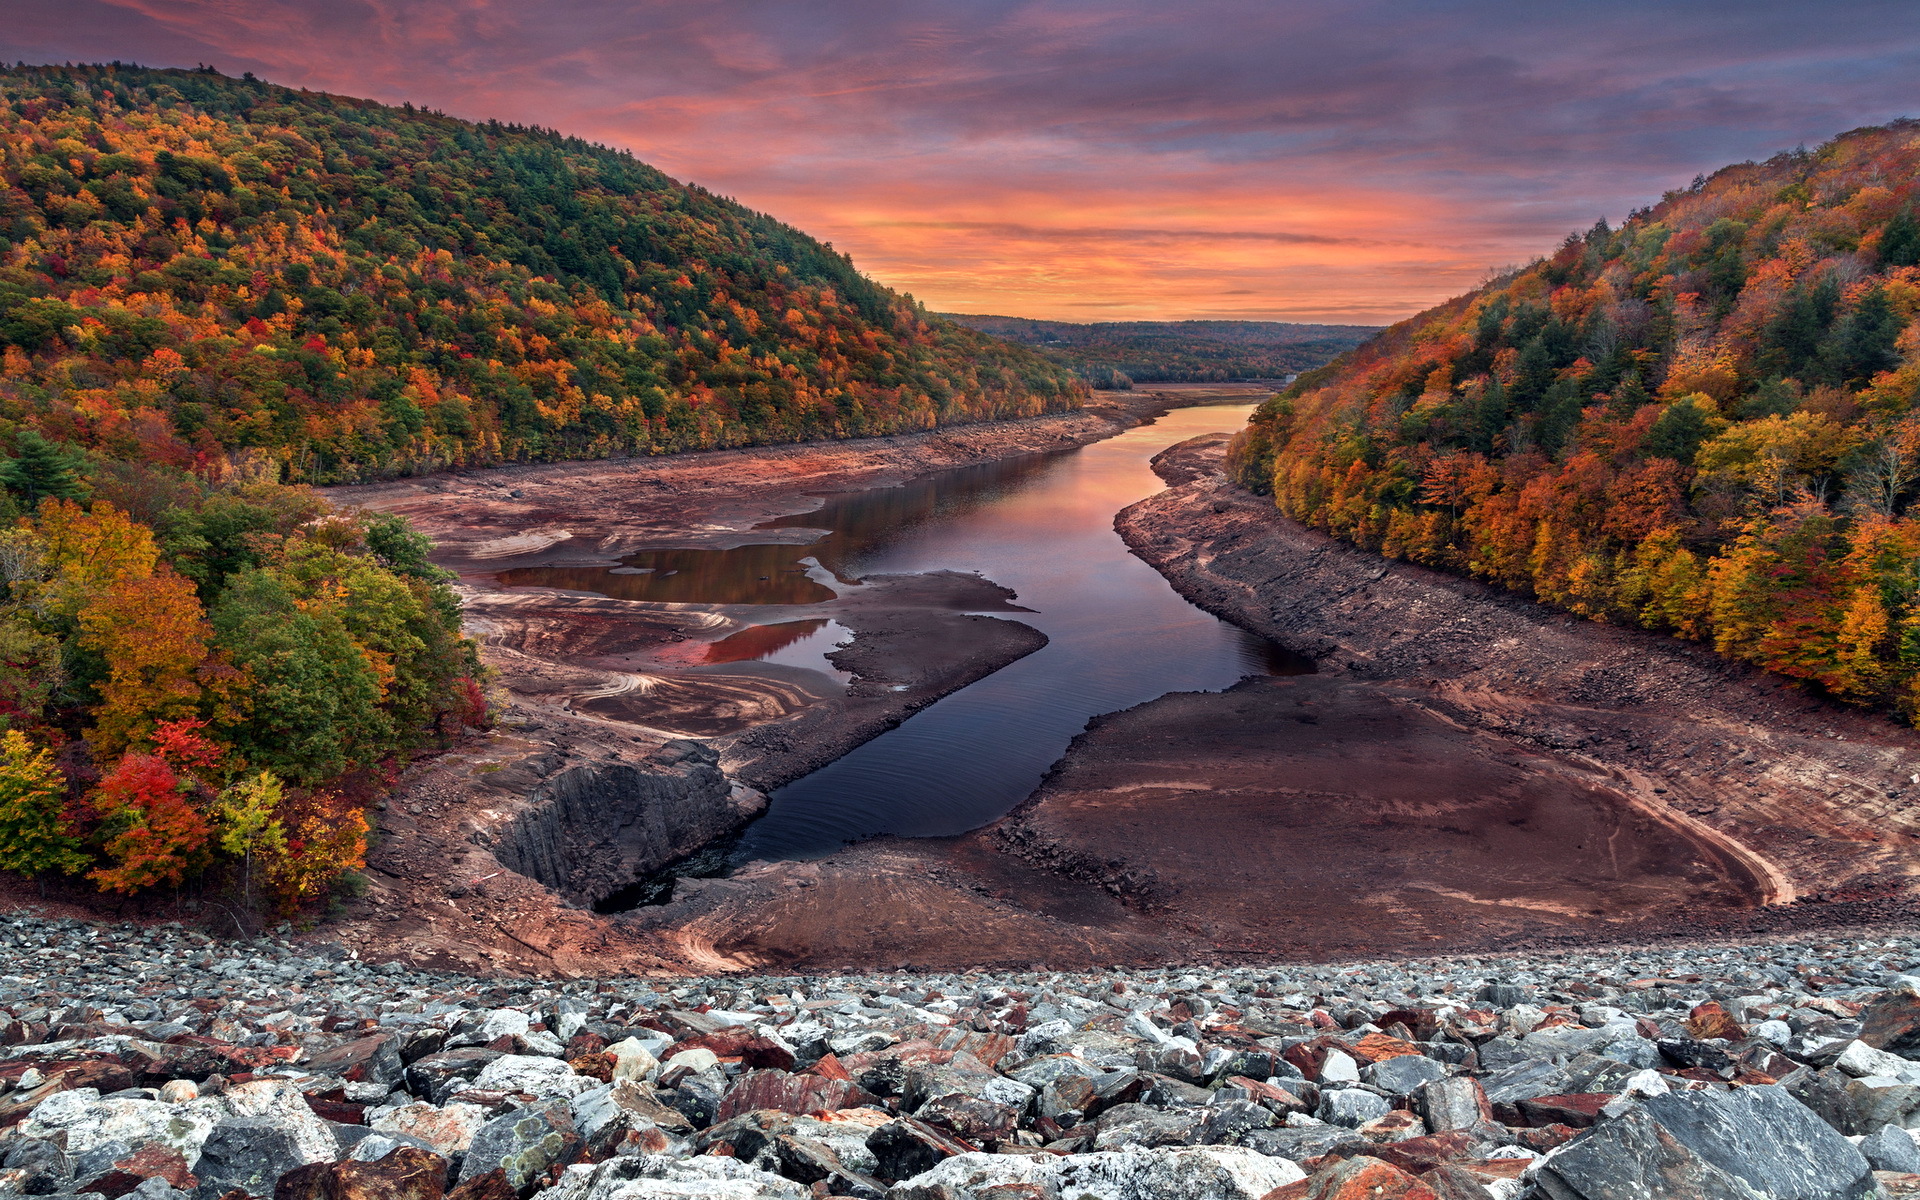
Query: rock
column 966, row 1175
column 1891, row 1149
column 365, row 1060
column 1401, row 1074
column 405, row 1174
column 544, row 1078
column 1227, row 1123
column 43, row 1166
column 1351, row 1107
column 1449, row 1104
column 83, row 1122
column 1169, row 1173
column 1860, row 1060
column 906, row 1147
column 660, row 1177
column 1757, row 1141
column 438, row 1076
column 528, row 1144
column 1892, row 1022
column 179, row 1091
column 1138, row 1125
column 1362, row 1178
column 449, row 1129
column 632, row 1060
column 491, row 1186
column 250, row 1154
column 789, row 1093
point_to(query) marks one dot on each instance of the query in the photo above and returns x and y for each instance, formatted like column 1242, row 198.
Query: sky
column 1344, row 161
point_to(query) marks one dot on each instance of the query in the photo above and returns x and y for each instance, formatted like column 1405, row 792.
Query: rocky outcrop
column 591, row 830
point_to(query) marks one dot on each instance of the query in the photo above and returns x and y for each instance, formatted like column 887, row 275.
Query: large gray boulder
column 660, row 1177
column 527, row 1143
column 1757, row 1143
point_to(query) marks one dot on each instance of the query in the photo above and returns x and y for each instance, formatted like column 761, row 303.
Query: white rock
column 505, row 1022
column 281, row 1101
column 1522, row 1019
column 179, row 1091
column 696, row 1060
column 546, row 1078
column 89, row 1122
column 1778, row 1033
column 569, row 1024
column 632, row 1060
column 448, row 1128
column 659, row 1177
column 1142, row 1027
column 539, row 1041
column 967, row 1173
column 1175, row 1173
column 1339, row 1068
column 1860, row 1060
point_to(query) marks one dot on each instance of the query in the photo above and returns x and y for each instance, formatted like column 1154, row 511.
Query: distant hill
column 1116, row 353
column 193, row 266
column 1705, row 422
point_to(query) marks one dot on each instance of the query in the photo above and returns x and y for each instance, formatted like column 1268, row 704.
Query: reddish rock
column 829, row 1067
column 1452, row 1183
column 1892, row 1022
column 1362, row 1178
column 364, row 1060
column 584, row 1043
column 1308, row 1057
column 1416, row 1155
column 1378, row 1047
column 1579, row 1110
column 334, row 1106
column 105, row 1074
column 1709, row 1020
column 797, row 1094
column 1422, row 1023
column 599, row 1066
column 740, row 1044
column 408, row 1173
column 1271, row 1095
column 1546, row 1137
column 150, row 1161
column 491, row 1186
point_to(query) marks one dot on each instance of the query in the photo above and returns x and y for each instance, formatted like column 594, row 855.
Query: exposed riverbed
column 1042, row 526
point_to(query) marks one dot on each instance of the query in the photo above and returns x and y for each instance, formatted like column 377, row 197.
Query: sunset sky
column 1289, row 159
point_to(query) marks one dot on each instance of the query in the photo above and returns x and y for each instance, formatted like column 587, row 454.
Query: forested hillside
column 1120, row 353
column 1702, row 422
column 195, row 268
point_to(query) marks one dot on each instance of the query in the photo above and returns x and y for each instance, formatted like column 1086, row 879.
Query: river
column 1042, row 525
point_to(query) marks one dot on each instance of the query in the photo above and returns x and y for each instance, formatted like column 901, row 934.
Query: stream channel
column 1041, row 525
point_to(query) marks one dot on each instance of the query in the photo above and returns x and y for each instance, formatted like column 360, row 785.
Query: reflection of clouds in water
column 789, row 643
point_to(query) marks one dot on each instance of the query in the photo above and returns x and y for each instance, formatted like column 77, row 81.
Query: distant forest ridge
column 1119, row 353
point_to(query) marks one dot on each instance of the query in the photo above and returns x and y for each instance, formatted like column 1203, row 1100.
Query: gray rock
column 526, row 1143
column 1139, row 1125
column 1891, row 1149
column 1525, row 1081
column 1351, row 1107
column 248, row 1153
column 1401, row 1074
column 662, row 1177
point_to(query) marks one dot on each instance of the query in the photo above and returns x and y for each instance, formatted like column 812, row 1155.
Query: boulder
column 364, row 1060
column 543, row 1078
column 449, row 1130
column 658, row 1177
column 968, row 1174
column 407, row 1173
column 1138, row 1125
column 82, row 1121
column 439, row 1075
column 1892, row 1022
column 1401, row 1074
column 1455, row 1103
column 1175, row 1173
column 250, row 1154
column 1351, row 1107
column 527, row 1143
column 1891, row 1149
column 906, row 1147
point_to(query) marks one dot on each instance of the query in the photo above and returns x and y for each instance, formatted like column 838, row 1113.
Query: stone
column 1363, row 1178
column 448, row 1129
column 1175, row 1173
column 437, row 1076
column 83, row 1121
column 250, row 1154
column 1227, row 1123
column 966, row 1175
column 1891, row 1148
column 1892, row 1022
column 44, row 1167
column 905, row 1147
column 632, row 1060
column 407, row 1173
column 1351, row 1107
column 789, row 1093
column 527, row 1143
column 179, row 1091
column 1400, row 1075
column 491, row 1186
column 364, row 1060
column 1138, row 1125
column 1633, row 1158
column 660, row 1177
column 543, row 1078
column 1455, row 1103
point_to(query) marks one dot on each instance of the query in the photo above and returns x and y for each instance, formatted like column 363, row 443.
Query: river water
column 1042, row 525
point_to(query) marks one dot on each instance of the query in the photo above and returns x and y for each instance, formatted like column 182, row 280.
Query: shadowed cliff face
column 592, row 830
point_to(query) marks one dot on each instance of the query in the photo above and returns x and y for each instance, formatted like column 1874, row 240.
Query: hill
column 1701, row 422
column 194, row 267
column 1119, row 353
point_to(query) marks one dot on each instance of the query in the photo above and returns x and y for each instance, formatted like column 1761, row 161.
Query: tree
column 33, row 832
column 321, row 848
column 40, row 470
column 1685, row 424
column 153, row 636
column 248, row 825
column 151, row 835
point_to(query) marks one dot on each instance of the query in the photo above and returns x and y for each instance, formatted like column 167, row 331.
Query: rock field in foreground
column 156, row 1063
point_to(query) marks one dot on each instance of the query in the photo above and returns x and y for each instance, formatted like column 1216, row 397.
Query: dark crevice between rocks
column 714, row 861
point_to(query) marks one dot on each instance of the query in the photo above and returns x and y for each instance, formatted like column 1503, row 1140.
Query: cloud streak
column 1350, row 160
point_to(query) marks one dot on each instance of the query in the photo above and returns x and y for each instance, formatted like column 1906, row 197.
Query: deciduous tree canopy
column 1703, row 422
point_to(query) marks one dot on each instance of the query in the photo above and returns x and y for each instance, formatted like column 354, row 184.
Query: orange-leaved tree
column 153, row 635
